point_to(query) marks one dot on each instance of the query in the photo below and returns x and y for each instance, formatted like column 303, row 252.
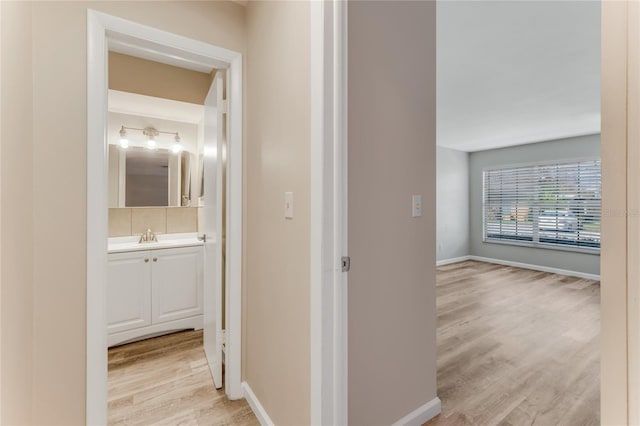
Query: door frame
column 328, row 303
column 101, row 28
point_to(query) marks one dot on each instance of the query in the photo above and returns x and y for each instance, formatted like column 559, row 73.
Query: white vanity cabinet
column 150, row 292
column 176, row 283
column 128, row 291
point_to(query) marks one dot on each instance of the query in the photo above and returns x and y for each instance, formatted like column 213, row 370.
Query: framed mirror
column 141, row 177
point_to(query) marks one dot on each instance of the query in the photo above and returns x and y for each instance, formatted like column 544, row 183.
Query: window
column 552, row 205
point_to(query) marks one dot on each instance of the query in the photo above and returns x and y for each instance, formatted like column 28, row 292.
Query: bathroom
column 162, row 241
column 154, row 201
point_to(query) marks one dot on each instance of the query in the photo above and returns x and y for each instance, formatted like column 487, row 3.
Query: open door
column 213, row 227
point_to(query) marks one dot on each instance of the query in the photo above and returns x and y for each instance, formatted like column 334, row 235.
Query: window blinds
column 550, row 204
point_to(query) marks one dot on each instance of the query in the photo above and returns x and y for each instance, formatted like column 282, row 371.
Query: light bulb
column 176, row 147
column 152, row 144
column 124, row 142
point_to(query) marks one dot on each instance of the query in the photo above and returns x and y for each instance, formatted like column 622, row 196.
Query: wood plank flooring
column 514, row 347
column 166, row 381
column 517, row 347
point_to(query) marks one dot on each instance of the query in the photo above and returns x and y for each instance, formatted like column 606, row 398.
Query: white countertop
column 165, row 241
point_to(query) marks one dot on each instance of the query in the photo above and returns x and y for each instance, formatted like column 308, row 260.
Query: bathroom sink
column 124, row 244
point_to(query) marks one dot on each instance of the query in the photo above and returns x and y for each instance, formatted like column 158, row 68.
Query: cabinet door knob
column 146, row 260
column 155, row 259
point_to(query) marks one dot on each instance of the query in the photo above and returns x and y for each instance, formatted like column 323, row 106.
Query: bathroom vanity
column 154, row 287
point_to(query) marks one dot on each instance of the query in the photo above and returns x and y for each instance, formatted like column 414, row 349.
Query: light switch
column 288, row 205
column 416, row 202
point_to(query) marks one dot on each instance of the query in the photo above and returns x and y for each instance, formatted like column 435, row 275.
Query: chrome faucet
column 147, row 237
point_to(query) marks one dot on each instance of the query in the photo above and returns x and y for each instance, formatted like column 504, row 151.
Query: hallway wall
column 392, row 155
column 53, row 36
column 277, row 270
column 16, row 215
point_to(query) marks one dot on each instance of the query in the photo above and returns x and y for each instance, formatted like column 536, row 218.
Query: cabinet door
column 128, row 291
column 177, row 283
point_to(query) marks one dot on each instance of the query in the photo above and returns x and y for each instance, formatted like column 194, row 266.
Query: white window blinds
column 550, row 204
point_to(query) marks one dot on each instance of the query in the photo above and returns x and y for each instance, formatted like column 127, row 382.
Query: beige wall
column 57, row 40
column 16, row 213
column 615, row 211
column 135, row 75
column 276, row 330
column 392, row 152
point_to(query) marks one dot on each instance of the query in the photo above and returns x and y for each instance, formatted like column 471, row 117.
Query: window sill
column 582, row 250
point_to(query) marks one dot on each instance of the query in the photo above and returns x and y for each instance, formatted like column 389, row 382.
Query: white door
column 176, row 277
column 213, row 138
column 128, row 291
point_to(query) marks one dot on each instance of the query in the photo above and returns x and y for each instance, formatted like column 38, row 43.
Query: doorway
column 519, row 211
column 104, row 32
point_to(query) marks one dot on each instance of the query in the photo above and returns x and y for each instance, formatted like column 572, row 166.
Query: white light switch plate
column 416, row 203
column 288, row 205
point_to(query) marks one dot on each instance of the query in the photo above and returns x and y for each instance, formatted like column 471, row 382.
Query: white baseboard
column 537, row 268
column 255, row 405
column 421, row 414
column 452, row 260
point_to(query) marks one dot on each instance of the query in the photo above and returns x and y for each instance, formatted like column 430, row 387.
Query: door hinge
column 346, row 263
column 225, row 107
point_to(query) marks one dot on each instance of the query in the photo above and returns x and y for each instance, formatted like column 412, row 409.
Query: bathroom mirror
column 140, row 177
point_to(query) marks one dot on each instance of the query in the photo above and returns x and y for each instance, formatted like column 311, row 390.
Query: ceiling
column 517, row 72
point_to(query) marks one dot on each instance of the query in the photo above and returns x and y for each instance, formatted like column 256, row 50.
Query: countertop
column 165, row 241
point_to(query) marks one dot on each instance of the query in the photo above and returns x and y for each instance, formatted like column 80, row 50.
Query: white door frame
column 329, row 350
column 102, row 29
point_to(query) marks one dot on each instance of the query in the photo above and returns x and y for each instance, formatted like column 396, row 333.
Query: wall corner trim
column 452, row 260
column 256, row 406
column 422, row 414
column 537, row 268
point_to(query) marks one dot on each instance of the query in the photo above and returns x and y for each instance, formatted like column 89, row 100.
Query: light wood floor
column 166, row 381
column 517, row 347
column 514, row 347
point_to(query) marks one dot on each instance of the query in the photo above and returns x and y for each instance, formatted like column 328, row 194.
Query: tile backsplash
column 119, row 222
column 182, row 220
column 161, row 220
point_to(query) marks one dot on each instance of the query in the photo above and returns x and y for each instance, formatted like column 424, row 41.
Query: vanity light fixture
column 124, row 142
column 152, row 138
